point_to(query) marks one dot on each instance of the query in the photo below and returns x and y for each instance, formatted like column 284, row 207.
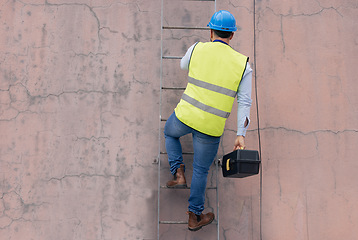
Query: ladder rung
column 188, row 153
column 185, row 28
column 185, row 188
column 173, row 88
column 200, row 0
column 173, row 222
column 181, row 222
column 171, row 57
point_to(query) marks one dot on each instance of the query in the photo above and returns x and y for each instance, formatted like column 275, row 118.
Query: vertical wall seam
column 257, row 114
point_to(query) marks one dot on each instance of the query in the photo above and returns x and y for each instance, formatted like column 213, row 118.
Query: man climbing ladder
column 217, row 74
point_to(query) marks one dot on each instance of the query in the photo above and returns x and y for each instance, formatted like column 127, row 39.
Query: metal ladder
column 168, row 26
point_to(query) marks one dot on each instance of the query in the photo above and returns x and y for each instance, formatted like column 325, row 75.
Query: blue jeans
column 205, row 150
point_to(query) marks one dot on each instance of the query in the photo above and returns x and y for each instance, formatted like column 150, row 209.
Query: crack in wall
column 82, row 175
column 240, row 6
column 31, row 98
column 313, row 132
column 224, row 232
column 323, row 9
column 290, row 15
column 47, row 3
column 337, row 132
column 14, row 208
column 91, row 138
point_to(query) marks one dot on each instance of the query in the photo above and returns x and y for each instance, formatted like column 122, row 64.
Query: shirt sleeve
column 184, row 62
column 244, row 101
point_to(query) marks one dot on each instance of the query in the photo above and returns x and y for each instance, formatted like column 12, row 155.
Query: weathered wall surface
column 79, row 115
column 79, row 119
column 308, row 114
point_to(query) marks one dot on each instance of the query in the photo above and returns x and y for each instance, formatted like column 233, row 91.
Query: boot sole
column 198, row 228
column 195, row 229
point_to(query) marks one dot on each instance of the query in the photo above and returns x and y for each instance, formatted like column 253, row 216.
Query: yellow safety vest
column 215, row 72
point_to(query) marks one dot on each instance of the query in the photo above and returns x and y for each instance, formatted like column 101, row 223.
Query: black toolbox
column 241, row 163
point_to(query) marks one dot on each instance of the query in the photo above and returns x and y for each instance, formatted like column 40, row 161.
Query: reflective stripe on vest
column 212, row 87
column 215, row 72
column 204, row 107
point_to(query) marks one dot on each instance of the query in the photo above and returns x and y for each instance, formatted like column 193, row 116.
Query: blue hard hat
column 224, row 21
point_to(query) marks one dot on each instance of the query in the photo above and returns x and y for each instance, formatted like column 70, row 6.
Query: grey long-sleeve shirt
column 243, row 93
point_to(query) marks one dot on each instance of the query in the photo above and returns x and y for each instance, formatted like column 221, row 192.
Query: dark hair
column 222, row 34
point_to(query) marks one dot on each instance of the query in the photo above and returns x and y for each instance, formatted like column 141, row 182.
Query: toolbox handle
column 228, row 165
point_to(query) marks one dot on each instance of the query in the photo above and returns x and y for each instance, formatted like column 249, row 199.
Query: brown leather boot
column 179, row 180
column 196, row 222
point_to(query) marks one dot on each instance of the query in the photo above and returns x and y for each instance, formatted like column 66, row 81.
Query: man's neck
column 217, row 40
column 225, row 40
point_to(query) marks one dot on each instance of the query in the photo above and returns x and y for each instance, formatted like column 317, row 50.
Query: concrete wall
column 80, row 129
column 306, row 72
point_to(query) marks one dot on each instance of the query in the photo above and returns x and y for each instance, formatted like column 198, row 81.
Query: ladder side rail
column 160, row 116
column 160, row 152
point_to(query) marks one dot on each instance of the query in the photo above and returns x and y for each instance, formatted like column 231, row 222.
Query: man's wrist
column 241, row 132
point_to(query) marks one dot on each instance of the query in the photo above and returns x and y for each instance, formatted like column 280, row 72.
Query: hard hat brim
column 230, row 29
